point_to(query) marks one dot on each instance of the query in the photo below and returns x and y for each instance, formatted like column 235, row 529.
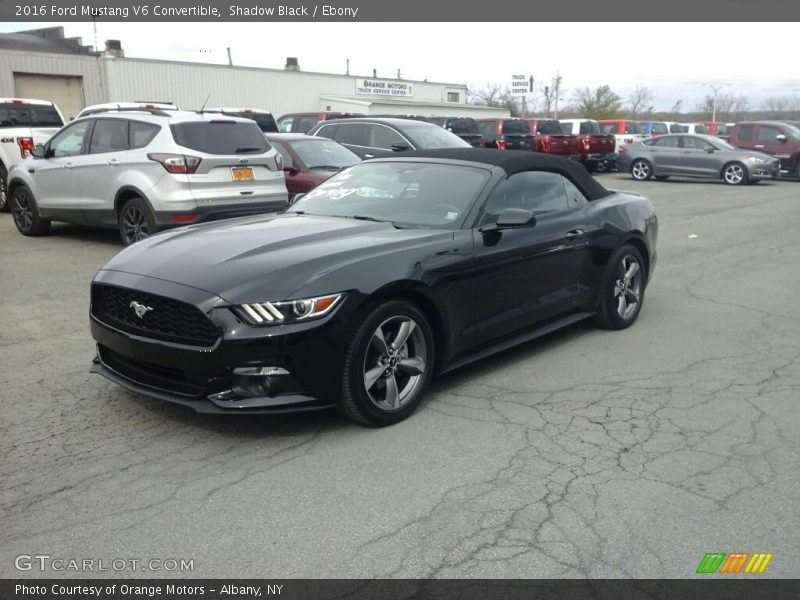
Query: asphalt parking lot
column 584, row 454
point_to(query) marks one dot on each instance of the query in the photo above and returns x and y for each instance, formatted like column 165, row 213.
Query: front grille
column 149, row 374
column 162, row 318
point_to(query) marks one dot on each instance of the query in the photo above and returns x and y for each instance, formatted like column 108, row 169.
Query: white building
column 43, row 64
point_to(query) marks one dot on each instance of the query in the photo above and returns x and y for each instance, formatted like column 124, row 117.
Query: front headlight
column 759, row 160
column 289, row 311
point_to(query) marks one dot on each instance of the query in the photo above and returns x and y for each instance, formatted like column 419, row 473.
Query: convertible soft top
column 516, row 161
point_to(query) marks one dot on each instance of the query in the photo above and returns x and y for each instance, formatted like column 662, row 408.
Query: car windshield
column 793, row 131
column 322, row 153
column 660, row 128
column 723, row 145
column 220, row 136
column 549, row 128
column 426, row 136
column 404, row 193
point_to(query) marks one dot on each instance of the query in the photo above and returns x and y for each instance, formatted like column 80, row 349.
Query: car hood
column 270, row 257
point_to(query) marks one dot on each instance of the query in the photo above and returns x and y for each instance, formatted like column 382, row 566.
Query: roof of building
column 48, row 39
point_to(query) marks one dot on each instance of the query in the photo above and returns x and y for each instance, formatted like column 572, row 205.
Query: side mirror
column 37, row 151
column 291, row 170
column 399, row 147
column 515, row 218
column 709, row 149
column 781, row 138
column 297, row 198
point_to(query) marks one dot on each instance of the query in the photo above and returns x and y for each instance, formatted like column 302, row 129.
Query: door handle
column 113, row 162
column 759, row 145
column 369, row 156
column 67, row 165
column 574, row 234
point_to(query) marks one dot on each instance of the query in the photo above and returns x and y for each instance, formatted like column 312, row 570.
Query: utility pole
column 557, row 91
column 715, row 87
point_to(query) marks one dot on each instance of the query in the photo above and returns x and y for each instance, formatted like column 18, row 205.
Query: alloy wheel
column 734, row 174
column 640, row 170
column 628, row 286
column 134, row 225
column 23, row 211
column 395, row 363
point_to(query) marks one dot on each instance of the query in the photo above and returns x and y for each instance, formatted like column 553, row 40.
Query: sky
column 677, row 61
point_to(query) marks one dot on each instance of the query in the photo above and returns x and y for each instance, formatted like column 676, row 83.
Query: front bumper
column 764, row 170
column 202, row 377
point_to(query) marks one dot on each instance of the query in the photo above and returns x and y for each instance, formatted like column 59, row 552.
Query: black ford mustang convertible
column 389, row 272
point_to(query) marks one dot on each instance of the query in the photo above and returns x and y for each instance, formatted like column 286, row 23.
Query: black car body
column 383, row 136
column 507, row 134
column 470, row 250
column 464, row 127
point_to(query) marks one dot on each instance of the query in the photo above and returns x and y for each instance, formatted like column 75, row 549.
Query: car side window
column 746, row 133
column 356, row 134
column 70, row 141
column 768, row 134
column 285, row 124
column 109, row 135
column 694, row 143
column 287, row 158
column 383, row 137
column 575, row 197
column 328, row 131
column 141, row 134
column 304, row 124
column 538, row 191
column 666, row 142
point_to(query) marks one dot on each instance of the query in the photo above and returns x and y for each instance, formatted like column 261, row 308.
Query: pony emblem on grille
column 140, row 309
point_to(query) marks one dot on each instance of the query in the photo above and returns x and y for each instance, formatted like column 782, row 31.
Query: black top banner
column 604, row 11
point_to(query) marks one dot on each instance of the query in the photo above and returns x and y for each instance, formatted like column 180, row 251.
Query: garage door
column 66, row 91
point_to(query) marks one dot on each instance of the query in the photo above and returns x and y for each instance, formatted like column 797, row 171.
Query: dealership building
column 43, row 64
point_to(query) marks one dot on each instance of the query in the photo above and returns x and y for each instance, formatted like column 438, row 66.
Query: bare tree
column 640, row 101
column 493, row 94
column 729, row 107
column 600, row 103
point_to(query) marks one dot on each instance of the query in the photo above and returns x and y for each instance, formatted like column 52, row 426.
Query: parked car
column 24, row 122
column 303, row 122
column 695, row 156
column 550, row 139
column 412, row 116
column 263, row 118
column 694, row 128
column 507, row 134
column 624, row 131
column 375, row 136
column 106, row 106
column 309, row 160
column 390, row 271
column 674, row 127
column 597, row 149
column 654, row 128
column 464, row 127
column 776, row 138
column 142, row 170
column 716, row 128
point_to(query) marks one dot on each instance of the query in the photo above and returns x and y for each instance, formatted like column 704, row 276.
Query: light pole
column 715, row 87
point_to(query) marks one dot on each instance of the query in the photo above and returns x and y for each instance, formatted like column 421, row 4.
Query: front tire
column 623, row 291
column 641, row 170
column 4, row 203
column 388, row 365
column 734, row 174
column 26, row 213
column 136, row 221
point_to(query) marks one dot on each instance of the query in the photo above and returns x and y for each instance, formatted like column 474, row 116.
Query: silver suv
column 143, row 170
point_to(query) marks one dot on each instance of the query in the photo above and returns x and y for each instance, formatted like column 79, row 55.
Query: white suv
column 23, row 124
column 142, row 170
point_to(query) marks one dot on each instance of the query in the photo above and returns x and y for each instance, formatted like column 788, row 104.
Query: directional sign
column 520, row 85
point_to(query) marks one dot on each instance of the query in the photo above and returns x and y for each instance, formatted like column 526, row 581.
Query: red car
column 551, row 139
column 309, row 160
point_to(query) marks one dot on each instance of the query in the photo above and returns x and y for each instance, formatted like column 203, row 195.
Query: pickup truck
column 506, row 134
column 597, row 149
column 23, row 124
column 780, row 139
column 624, row 132
column 551, row 140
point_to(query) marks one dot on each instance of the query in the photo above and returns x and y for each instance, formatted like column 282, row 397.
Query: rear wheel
column 136, row 221
column 641, row 170
column 4, row 204
column 26, row 213
column 623, row 292
column 734, row 174
column 388, row 365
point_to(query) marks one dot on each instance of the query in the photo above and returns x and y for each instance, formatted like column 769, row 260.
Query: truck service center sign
column 382, row 87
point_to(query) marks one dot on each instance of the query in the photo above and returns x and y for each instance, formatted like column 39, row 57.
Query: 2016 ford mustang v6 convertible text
column 389, row 272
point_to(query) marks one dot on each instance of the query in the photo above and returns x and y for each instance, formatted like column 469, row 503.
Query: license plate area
column 243, row 173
